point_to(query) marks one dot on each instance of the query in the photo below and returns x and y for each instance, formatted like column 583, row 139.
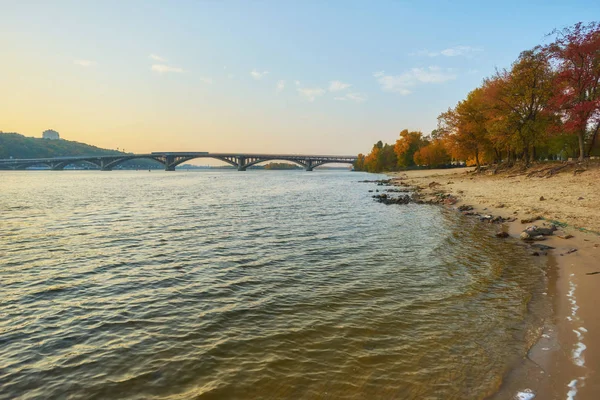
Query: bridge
column 170, row 160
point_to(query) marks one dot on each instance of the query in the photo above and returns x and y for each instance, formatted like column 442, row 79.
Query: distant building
column 50, row 134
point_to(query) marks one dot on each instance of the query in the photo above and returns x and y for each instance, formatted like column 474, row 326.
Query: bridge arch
column 255, row 162
column 170, row 166
column 108, row 165
column 62, row 165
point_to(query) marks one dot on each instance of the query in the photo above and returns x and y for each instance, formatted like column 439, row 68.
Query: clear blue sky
column 276, row 76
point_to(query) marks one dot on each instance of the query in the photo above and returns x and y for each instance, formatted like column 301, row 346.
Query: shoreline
column 563, row 361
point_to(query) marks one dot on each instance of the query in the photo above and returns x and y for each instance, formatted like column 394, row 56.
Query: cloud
column 455, row 51
column 208, row 81
column 157, row 58
column 162, row 68
column 401, row 83
column 297, row 83
column 85, row 63
column 460, row 51
column 311, row 93
column 280, row 86
column 258, row 75
column 356, row 97
column 336, row 86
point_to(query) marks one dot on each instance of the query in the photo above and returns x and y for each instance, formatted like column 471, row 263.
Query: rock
column 534, row 230
column 542, row 198
column 370, row 191
column 465, row 207
column 542, row 246
column 570, row 251
column 433, row 184
column 581, row 198
column 525, row 236
column 387, row 200
column 502, row 235
column 565, row 236
column 535, row 253
column 500, row 205
column 530, row 220
column 538, row 237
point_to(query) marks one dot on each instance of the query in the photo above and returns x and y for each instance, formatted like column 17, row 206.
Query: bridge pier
column 169, row 163
column 104, row 165
column 241, row 162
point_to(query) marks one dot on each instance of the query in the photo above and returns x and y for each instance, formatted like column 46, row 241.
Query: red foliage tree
column 576, row 52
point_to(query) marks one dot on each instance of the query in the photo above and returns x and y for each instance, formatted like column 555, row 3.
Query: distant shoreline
column 567, row 354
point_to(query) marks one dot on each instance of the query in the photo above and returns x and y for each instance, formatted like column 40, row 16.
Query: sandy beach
column 565, row 361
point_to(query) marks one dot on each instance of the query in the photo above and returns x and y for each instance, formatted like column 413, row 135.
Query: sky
column 312, row 77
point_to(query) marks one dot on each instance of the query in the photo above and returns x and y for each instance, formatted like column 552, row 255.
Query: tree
column 465, row 128
column 576, row 52
column 407, row 145
column 433, row 155
column 518, row 103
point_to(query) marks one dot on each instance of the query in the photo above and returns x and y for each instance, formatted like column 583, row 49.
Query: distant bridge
column 170, row 160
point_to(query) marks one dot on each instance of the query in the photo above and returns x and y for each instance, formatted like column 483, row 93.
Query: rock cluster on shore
column 432, row 194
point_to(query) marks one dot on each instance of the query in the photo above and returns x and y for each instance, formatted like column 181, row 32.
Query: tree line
column 545, row 106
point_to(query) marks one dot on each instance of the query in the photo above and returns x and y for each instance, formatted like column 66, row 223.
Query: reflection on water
column 237, row 285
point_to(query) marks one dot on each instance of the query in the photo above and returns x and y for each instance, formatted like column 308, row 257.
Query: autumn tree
column 465, row 128
column 433, row 155
column 406, row 147
column 576, row 53
column 518, row 104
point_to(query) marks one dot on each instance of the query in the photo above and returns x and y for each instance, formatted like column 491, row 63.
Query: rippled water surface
column 244, row 285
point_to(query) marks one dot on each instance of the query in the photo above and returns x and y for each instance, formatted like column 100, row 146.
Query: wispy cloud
column 356, row 97
column 85, row 63
column 403, row 82
column 258, row 75
column 162, row 68
column 336, row 86
column 156, row 57
column 280, row 86
column 311, row 94
column 208, row 81
column 466, row 51
column 460, row 51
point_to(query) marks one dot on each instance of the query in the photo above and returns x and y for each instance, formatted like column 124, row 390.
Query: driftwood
column 549, row 171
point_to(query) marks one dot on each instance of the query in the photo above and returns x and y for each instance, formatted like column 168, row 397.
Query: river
column 247, row 285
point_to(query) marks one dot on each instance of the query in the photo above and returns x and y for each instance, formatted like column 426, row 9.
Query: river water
column 251, row 285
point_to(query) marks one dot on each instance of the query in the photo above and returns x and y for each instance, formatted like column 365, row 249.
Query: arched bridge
column 170, row 160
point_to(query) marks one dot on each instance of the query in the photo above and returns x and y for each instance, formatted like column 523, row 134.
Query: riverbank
column 564, row 362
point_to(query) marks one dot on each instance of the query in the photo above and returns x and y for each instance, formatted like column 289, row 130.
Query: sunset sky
column 254, row 76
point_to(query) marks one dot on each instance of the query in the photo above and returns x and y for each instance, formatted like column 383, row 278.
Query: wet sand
column 564, row 362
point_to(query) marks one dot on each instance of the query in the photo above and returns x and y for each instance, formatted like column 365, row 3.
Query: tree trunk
column 593, row 141
column 581, row 145
column 477, row 159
